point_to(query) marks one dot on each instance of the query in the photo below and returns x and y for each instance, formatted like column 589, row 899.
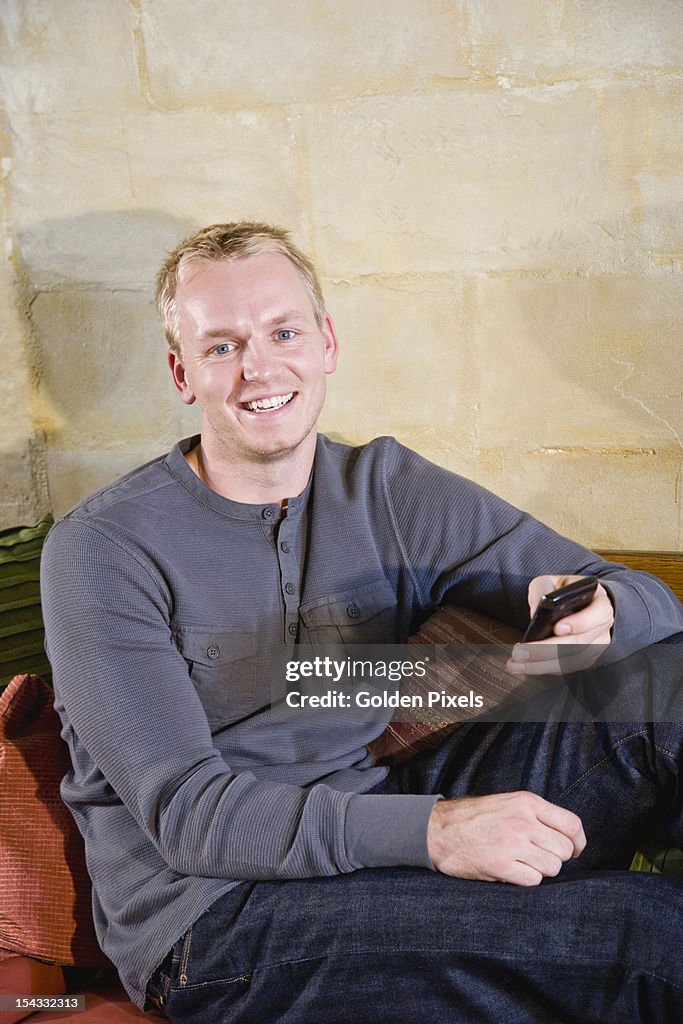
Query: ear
column 331, row 344
column 180, row 380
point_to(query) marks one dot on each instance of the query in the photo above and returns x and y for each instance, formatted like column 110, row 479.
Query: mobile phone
column 557, row 604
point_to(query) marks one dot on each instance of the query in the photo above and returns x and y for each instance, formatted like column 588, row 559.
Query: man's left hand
column 578, row 639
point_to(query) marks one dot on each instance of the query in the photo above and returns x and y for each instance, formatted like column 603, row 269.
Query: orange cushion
column 23, row 976
column 45, row 893
column 105, row 1003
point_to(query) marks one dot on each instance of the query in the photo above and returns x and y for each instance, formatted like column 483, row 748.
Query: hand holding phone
column 556, row 605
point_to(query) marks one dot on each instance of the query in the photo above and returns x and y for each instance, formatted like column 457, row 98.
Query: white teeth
column 276, row 402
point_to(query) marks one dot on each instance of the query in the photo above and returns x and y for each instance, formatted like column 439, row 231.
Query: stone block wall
column 493, row 193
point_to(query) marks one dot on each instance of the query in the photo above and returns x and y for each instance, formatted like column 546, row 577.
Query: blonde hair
column 228, row 242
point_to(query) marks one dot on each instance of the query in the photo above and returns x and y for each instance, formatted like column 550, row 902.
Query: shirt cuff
column 628, row 607
column 383, row 831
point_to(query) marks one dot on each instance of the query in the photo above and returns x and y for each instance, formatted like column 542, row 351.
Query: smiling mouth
column 269, row 404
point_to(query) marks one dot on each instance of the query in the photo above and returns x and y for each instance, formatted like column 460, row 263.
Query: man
column 231, row 846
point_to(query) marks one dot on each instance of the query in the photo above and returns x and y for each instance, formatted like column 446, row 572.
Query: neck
column 255, row 483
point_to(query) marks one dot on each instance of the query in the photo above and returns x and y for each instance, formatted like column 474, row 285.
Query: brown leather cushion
column 484, row 647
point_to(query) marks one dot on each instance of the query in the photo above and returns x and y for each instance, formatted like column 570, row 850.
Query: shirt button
column 289, row 588
column 213, row 651
column 291, row 629
column 267, row 513
column 352, row 611
column 284, row 546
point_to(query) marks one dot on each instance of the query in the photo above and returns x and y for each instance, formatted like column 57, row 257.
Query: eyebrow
column 291, row 314
column 216, row 332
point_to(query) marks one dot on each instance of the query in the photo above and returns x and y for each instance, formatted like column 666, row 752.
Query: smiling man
column 254, row 864
column 252, row 351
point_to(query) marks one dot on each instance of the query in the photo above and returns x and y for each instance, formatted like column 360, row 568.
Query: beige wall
column 493, row 192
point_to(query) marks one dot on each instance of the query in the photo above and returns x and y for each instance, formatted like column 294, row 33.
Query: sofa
column 47, row 943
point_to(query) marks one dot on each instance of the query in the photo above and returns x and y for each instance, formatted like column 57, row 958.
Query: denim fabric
column 397, row 946
column 596, row 944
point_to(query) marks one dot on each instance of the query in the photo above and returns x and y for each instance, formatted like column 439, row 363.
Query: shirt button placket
column 289, row 570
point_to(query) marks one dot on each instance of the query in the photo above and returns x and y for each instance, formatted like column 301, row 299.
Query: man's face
column 252, row 356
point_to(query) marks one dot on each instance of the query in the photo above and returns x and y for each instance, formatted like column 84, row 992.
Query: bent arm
column 132, row 716
column 465, row 542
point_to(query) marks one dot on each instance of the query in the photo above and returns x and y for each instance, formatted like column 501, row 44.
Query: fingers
column 526, row 859
column 578, row 641
column 510, row 837
column 592, row 622
column 588, row 623
column 556, row 656
column 566, row 824
column 540, row 861
column 541, row 585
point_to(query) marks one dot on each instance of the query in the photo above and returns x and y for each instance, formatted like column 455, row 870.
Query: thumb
column 542, row 585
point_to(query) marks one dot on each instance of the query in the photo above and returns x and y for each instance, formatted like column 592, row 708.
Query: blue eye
column 285, row 335
column 223, row 349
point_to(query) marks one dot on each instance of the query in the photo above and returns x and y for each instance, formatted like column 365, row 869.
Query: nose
column 256, row 362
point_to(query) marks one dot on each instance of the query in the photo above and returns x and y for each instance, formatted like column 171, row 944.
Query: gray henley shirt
column 164, row 606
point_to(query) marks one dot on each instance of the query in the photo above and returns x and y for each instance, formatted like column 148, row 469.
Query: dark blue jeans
column 396, row 946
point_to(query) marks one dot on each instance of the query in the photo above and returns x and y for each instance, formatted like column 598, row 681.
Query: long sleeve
column 463, row 540
column 185, row 780
column 124, row 693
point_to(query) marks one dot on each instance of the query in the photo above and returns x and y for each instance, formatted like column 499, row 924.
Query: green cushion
column 21, row 622
column 659, row 856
